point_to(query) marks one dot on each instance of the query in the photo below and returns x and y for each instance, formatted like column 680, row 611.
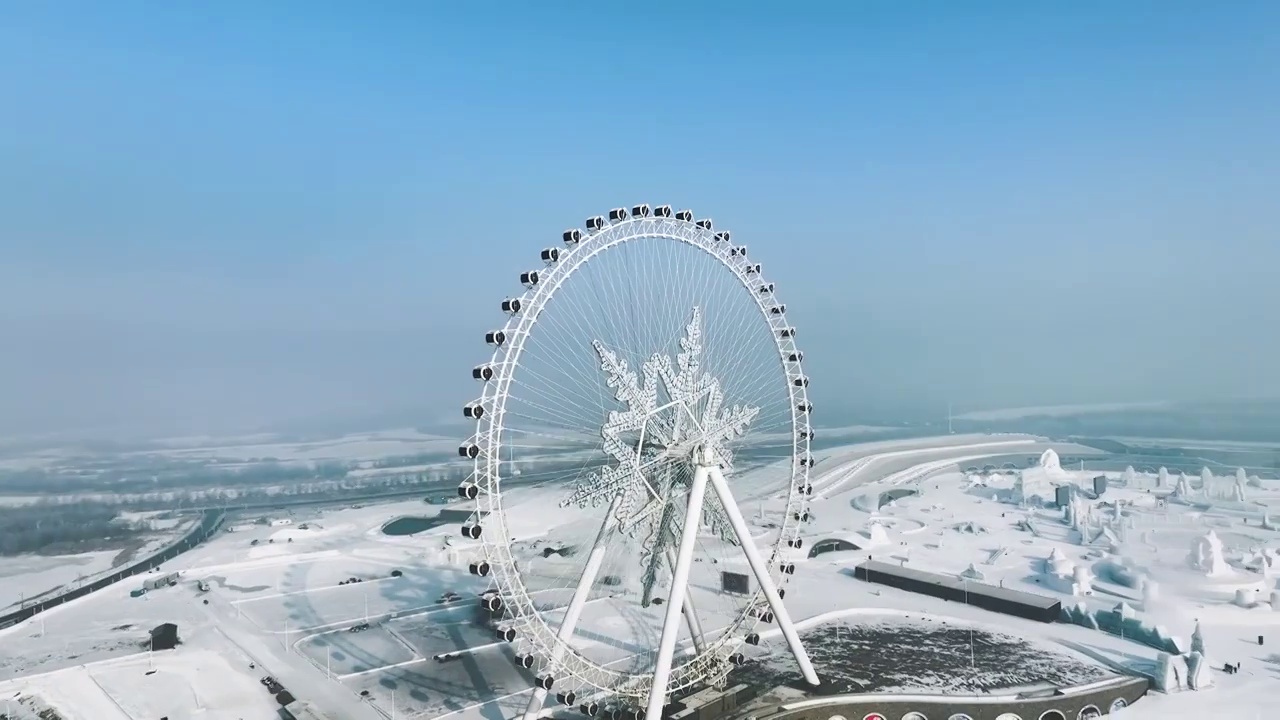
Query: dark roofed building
column 836, row 544
column 988, row 597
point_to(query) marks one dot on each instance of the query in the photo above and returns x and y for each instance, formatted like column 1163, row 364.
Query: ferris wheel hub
column 705, row 456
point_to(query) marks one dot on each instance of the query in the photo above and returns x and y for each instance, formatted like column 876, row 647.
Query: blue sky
column 240, row 213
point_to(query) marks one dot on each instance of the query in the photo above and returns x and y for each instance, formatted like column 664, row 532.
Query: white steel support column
column 576, row 603
column 679, row 586
column 690, row 611
column 761, row 571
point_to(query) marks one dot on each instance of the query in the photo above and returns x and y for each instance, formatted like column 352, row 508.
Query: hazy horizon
column 267, row 216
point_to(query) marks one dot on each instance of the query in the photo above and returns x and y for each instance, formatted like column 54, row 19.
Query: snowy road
column 855, row 471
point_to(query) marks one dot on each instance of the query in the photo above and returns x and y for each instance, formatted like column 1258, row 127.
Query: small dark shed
column 736, row 583
column 164, row 637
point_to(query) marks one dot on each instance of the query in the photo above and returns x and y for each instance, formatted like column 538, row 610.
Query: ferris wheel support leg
column 675, row 602
column 574, row 612
column 761, row 571
column 690, row 611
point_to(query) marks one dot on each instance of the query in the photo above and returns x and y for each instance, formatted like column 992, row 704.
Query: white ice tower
column 1081, row 581
column 1129, row 476
column 1183, row 488
column 1237, row 489
column 1207, row 555
column 877, row 535
column 1038, row 481
column 1058, row 564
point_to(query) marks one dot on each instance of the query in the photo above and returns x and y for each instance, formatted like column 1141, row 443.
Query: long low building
column 988, row 597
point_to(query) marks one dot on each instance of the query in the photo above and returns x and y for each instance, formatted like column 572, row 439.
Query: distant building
column 160, row 581
column 988, row 597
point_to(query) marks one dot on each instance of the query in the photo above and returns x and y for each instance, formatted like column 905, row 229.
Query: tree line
column 58, row 528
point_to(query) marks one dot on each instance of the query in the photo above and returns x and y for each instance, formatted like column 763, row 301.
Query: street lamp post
column 966, row 602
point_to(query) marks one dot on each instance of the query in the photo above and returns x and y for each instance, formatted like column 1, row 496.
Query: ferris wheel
column 646, row 381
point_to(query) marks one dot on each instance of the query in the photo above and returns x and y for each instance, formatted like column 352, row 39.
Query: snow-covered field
column 275, row 598
column 360, row 446
column 33, row 576
column 179, row 684
column 25, row 578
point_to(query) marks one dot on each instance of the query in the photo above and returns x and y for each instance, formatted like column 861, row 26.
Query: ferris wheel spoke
column 551, row 396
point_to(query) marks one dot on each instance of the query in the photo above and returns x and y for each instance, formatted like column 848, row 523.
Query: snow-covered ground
column 33, row 576
column 280, row 597
column 182, row 683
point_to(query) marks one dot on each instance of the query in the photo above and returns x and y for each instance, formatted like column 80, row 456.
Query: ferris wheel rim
column 531, row 626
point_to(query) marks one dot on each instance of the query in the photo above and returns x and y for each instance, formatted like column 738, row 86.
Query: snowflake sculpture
column 653, row 442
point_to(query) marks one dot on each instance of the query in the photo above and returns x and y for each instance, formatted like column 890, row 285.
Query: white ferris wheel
column 645, row 383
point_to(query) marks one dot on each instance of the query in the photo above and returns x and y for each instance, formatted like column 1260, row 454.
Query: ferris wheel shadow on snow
column 415, row 630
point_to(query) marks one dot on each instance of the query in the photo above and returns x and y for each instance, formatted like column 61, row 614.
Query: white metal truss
column 542, row 639
column 693, row 415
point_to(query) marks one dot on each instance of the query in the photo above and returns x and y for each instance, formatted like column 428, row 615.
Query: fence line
column 209, row 524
